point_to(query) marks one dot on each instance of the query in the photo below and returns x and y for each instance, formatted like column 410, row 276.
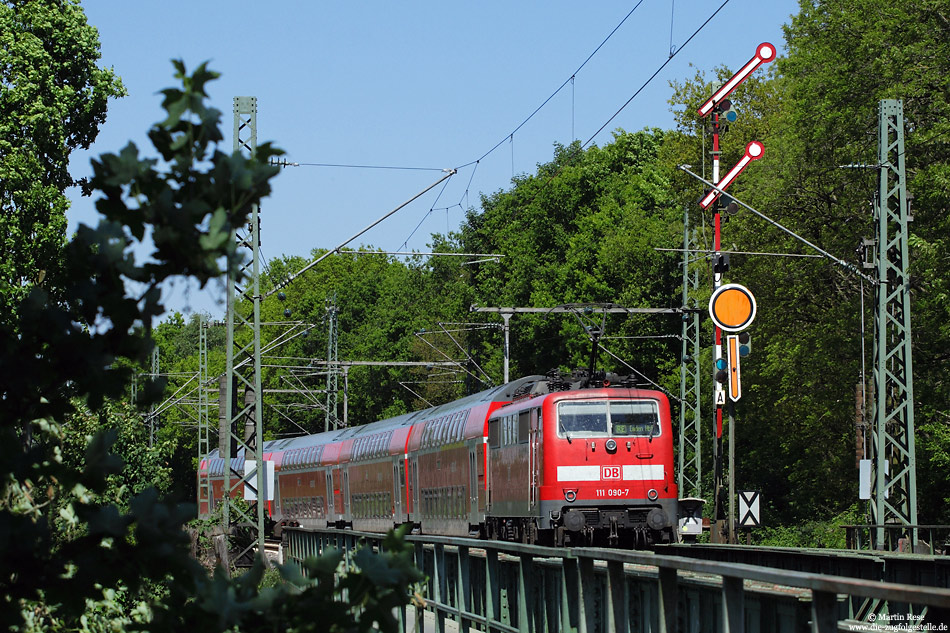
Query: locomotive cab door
column 534, row 458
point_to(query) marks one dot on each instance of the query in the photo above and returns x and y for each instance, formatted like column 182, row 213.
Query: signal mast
column 721, row 108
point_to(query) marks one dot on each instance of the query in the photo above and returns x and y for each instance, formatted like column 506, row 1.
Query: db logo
column 610, row 472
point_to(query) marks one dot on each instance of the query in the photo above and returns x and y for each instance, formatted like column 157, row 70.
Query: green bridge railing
column 489, row 586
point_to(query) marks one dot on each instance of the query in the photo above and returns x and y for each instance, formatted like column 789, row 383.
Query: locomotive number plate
column 613, row 492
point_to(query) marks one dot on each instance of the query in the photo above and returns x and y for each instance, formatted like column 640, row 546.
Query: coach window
column 578, row 418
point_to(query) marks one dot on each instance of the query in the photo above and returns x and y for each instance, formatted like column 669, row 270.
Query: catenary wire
column 555, row 93
column 657, row 72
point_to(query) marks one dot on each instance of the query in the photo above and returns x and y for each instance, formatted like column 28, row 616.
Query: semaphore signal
column 753, row 151
column 722, row 111
column 764, row 53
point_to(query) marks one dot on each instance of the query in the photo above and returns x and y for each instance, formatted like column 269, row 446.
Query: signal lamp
column 721, row 374
column 281, row 296
column 287, row 313
column 732, row 207
column 726, row 111
column 745, row 344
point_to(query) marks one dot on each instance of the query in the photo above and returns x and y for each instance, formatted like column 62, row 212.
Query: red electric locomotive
column 583, row 466
column 539, row 459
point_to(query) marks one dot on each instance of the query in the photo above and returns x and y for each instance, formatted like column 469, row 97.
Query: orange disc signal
column 732, row 307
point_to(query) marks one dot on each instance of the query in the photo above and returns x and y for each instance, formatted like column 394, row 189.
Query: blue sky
column 409, row 84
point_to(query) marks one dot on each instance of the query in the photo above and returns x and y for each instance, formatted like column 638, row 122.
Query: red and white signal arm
column 732, row 307
column 753, row 151
column 764, row 53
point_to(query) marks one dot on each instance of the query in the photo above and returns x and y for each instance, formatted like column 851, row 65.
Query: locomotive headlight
column 570, row 496
column 611, row 446
column 652, row 494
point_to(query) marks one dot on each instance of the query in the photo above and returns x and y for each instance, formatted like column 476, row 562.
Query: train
column 553, row 460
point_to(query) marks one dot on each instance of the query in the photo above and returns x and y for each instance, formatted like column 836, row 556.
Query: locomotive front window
column 634, row 418
column 605, row 418
column 582, row 418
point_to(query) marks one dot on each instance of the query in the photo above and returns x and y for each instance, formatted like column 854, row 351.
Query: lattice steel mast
column 152, row 414
column 689, row 458
column 333, row 373
column 248, row 315
column 204, row 429
column 894, row 483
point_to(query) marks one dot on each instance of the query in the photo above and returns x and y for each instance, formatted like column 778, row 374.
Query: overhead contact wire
column 395, row 167
column 657, row 72
column 555, row 93
column 428, row 213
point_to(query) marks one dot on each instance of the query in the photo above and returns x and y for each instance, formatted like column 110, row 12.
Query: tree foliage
column 583, row 230
column 87, row 542
column 52, row 100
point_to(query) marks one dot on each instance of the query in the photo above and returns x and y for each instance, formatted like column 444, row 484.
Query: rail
column 510, row 587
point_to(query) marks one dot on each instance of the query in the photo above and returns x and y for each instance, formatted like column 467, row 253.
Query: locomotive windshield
column 595, row 418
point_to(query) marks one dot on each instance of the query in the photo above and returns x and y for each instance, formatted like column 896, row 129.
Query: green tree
column 53, row 99
column 114, row 545
column 584, row 229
